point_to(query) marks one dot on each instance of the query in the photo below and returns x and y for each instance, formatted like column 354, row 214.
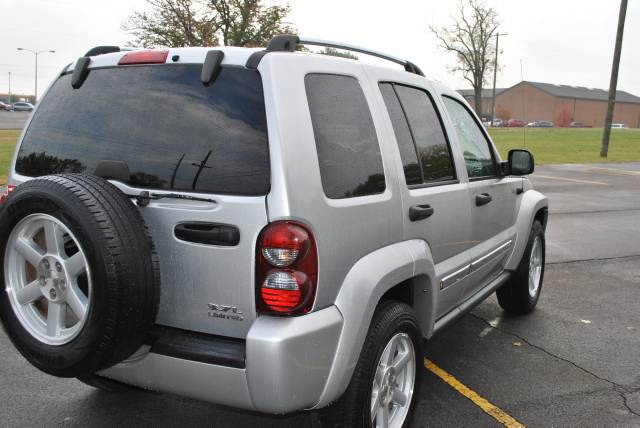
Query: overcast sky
column 558, row 41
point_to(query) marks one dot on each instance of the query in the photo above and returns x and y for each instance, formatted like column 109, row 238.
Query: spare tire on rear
column 80, row 273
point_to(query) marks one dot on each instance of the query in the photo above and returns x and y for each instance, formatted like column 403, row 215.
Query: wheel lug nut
column 52, row 293
column 58, row 267
column 46, row 264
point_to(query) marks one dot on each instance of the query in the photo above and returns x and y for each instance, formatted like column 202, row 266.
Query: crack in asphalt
column 619, row 389
column 632, row 256
column 623, row 210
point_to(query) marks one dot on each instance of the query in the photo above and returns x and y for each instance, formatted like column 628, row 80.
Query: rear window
column 348, row 150
column 171, row 131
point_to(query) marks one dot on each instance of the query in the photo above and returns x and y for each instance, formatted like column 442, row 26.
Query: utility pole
column 495, row 74
column 36, row 53
column 604, row 150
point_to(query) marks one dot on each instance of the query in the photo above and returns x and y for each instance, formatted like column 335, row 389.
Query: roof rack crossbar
column 286, row 43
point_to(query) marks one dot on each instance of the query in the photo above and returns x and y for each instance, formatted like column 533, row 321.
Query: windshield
column 170, row 130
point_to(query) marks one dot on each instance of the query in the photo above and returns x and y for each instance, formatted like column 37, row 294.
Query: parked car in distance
column 251, row 285
column 540, row 124
column 619, row 126
column 576, row 125
column 497, row 123
column 516, row 123
column 5, row 107
column 23, row 106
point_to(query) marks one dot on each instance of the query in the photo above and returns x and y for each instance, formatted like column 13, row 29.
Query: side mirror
column 520, row 162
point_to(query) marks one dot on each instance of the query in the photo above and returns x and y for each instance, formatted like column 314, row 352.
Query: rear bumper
column 286, row 364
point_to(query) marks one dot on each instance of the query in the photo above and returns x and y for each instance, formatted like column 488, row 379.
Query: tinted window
column 426, row 132
column 348, row 150
column 477, row 154
column 170, row 130
column 431, row 143
column 408, row 154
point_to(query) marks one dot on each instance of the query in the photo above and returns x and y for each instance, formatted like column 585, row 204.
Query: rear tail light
column 8, row 190
column 287, row 269
column 144, row 57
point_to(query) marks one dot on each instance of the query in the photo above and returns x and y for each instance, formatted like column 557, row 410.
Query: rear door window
column 171, row 131
column 346, row 142
column 420, row 135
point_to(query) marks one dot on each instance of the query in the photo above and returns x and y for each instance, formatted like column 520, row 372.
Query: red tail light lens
column 144, row 57
column 8, row 190
column 287, row 269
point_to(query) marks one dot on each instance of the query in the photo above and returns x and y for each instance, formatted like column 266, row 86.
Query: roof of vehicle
column 566, row 91
column 105, row 56
column 486, row 93
column 240, row 55
column 232, row 56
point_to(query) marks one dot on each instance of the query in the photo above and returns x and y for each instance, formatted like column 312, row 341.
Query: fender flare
column 364, row 285
column 532, row 202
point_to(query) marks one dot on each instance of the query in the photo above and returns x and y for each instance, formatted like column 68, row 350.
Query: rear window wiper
column 143, row 198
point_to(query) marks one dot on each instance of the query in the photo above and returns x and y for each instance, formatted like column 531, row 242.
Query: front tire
column 520, row 294
column 385, row 383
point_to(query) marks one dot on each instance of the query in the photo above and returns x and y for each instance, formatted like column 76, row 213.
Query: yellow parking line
column 599, row 183
column 490, row 409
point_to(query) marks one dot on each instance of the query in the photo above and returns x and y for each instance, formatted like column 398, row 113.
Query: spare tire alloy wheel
column 80, row 273
column 47, row 279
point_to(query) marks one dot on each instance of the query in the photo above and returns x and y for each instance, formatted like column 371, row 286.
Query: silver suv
column 267, row 229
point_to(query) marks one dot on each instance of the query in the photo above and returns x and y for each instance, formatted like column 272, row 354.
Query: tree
column 470, row 38
column 503, row 113
column 174, row 23
column 338, row 53
column 564, row 117
column 249, row 22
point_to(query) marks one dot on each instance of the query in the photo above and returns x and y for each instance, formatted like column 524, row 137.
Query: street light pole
column 36, row 53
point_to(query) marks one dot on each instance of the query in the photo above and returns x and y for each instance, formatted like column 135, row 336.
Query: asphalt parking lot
column 575, row 361
column 13, row 119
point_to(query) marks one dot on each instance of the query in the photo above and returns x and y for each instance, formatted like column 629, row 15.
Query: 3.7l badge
column 225, row 312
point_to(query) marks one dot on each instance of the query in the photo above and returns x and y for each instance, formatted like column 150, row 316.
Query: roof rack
column 101, row 50
column 287, row 43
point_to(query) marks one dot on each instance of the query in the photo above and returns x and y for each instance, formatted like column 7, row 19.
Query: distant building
column 560, row 104
column 487, row 96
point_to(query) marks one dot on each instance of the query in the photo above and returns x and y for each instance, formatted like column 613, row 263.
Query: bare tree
column 470, row 38
column 207, row 23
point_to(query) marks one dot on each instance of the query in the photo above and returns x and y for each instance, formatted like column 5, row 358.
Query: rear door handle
column 208, row 233
column 483, row 199
column 420, row 212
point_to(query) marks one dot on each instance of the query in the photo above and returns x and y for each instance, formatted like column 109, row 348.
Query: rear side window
column 408, row 154
column 348, row 150
column 171, row 131
column 418, row 128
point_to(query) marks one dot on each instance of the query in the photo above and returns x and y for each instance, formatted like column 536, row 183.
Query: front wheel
column 520, row 294
column 386, row 379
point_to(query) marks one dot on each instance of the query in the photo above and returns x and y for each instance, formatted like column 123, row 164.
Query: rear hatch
column 158, row 128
